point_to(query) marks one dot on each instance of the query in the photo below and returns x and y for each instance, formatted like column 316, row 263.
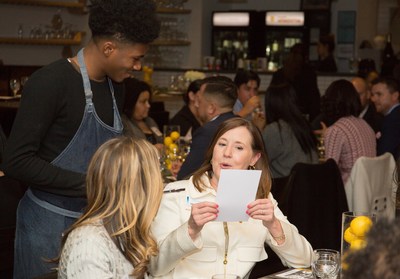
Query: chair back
column 372, row 187
column 314, row 200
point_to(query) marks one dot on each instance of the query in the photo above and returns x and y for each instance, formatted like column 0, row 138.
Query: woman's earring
column 252, row 167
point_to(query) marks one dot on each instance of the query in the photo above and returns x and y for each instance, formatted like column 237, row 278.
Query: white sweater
column 89, row 253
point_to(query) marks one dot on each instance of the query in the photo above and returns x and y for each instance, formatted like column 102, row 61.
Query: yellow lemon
column 172, row 155
column 345, row 264
column 360, row 225
column 357, row 244
column 349, row 235
column 168, row 141
column 175, row 135
column 173, row 146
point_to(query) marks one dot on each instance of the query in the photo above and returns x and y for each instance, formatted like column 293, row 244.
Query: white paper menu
column 236, row 189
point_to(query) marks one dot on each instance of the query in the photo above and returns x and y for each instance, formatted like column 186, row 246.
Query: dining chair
column 372, row 187
column 314, row 200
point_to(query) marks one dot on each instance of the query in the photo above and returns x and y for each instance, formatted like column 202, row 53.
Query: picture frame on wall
column 315, row 4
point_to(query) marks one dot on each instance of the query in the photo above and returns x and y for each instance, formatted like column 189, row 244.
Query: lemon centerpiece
column 355, row 226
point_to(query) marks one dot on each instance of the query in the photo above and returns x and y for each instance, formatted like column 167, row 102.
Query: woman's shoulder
column 89, row 231
column 88, row 239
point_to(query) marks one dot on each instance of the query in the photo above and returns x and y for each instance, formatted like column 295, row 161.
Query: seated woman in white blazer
column 191, row 245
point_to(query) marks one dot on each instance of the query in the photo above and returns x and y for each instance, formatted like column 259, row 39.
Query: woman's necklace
column 226, row 232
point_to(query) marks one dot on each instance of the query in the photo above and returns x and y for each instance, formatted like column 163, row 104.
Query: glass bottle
column 20, row 31
column 389, row 60
column 56, row 21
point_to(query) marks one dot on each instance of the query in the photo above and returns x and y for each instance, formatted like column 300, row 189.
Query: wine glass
column 24, row 79
column 325, row 264
column 15, row 86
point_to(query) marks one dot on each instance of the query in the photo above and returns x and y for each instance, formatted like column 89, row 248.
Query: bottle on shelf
column 389, row 60
column 224, row 59
column 20, row 31
column 233, row 59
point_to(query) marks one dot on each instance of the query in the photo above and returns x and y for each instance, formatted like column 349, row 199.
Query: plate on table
column 10, row 97
column 175, row 92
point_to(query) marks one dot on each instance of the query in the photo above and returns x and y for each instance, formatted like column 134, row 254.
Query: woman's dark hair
column 194, row 87
column 132, row 21
column 257, row 145
column 244, row 76
column 133, row 89
column 280, row 104
column 294, row 63
column 340, row 100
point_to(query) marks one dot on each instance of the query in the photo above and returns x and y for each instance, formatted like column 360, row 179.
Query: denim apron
column 42, row 217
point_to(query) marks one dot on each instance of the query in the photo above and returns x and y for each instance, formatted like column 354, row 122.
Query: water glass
column 15, row 86
column 325, row 264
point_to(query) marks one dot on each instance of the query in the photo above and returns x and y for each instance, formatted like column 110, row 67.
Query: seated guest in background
column 325, row 48
column 248, row 101
column 368, row 111
column 193, row 246
column 287, row 136
column 187, row 117
column 349, row 137
column 385, row 95
column 214, row 103
column 135, row 114
column 301, row 76
column 112, row 238
column 380, row 258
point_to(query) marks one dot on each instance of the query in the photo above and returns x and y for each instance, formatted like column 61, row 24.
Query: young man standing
column 68, row 109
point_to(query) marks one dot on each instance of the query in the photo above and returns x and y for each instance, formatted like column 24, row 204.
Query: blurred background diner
column 188, row 116
column 135, row 115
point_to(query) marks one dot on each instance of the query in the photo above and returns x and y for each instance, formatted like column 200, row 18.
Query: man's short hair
column 390, row 83
column 222, row 90
column 244, row 76
column 131, row 21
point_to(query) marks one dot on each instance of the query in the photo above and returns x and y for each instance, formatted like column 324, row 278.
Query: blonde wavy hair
column 124, row 190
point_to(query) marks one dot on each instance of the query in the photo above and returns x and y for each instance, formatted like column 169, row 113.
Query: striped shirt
column 348, row 139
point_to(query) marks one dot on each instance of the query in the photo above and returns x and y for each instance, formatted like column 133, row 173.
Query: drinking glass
column 325, row 264
column 15, row 86
column 354, row 227
column 172, row 152
column 24, row 79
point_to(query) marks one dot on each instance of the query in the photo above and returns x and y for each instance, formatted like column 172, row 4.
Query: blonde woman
column 112, row 239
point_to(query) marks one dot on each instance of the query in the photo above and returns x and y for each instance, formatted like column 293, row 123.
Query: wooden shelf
column 30, row 41
column 173, row 11
column 170, row 43
column 77, row 6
